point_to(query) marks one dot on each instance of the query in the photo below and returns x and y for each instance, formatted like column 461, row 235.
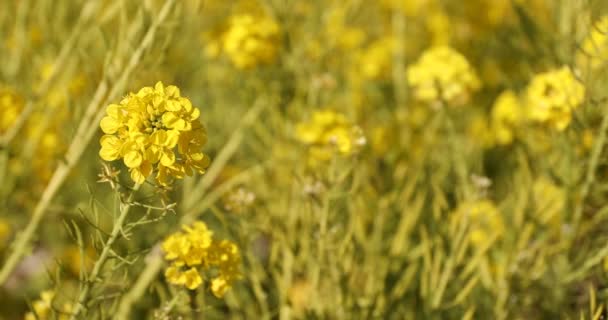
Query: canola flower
column 506, row 115
column 251, row 40
column 441, row 74
column 193, row 251
column 329, row 132
column 155, row 130
column 594, row 50
column 41, row 308
column 11, row 105
column 549, row 201
column 376, row 59
column 551, row 97
column 484, row 220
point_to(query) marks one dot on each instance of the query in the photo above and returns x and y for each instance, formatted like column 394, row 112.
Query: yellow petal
column 172, row 121
column 108, row 154
column 109, row 125
column 113, row 111
column 133, row 159
column 158, row 137
column 192, row 279
column 172, row 105
column 195, row 114
column 159, row 87
column 153, row 154
column 167, row 158
column 172, row 91
column 172, row 139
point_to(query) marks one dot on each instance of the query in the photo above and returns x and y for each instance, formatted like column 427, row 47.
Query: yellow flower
column 42, row 308
column 155, row 129
column 552, row 96
column 594, row 51
column 442, row 75
column 484, row 220
column 549, row 202
column 328, row 132
column 251, row 40
column 11, row 105
column 506, row 115
column 193, row 250
column 376, row 60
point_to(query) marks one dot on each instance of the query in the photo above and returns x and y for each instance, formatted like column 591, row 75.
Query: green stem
column 590, row 173
column 103, row 258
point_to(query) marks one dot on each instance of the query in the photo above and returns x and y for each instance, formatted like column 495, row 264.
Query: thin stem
column 107, row 248
column 590, row 173
column 153, row 266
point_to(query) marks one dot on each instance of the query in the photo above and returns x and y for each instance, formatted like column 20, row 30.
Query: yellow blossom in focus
column 442, row 75
column 251, row 40
column 484, row 220
column 155, row 129
column 506, row 114
column 194, row 251
column 594, row 50
column 551, row 97
column 329, row 132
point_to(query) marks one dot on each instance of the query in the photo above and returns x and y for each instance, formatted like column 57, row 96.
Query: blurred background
column 389, row 159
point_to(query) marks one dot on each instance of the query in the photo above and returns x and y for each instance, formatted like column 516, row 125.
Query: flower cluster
column 551, row 97
column 251, row 40
column 442, row 75
column 155, row 129
column 328, row 132
column 42, row 308
column 594, row 51
column 11, row 104
column 193, row 251
column 484, row 221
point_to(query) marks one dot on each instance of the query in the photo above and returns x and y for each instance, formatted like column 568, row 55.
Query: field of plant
column 303, row 159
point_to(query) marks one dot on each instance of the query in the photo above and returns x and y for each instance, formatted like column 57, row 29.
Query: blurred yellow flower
column 193, row 248
column 155, row 127
column 41, row 309
column 484, row 220
column 594, row 51
column 251, row 40
column 442, row 75
column 11, row 105
column 328, row 132
column 549, row 202
column 551, row 97
column 506, row 115
column 376, row 60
